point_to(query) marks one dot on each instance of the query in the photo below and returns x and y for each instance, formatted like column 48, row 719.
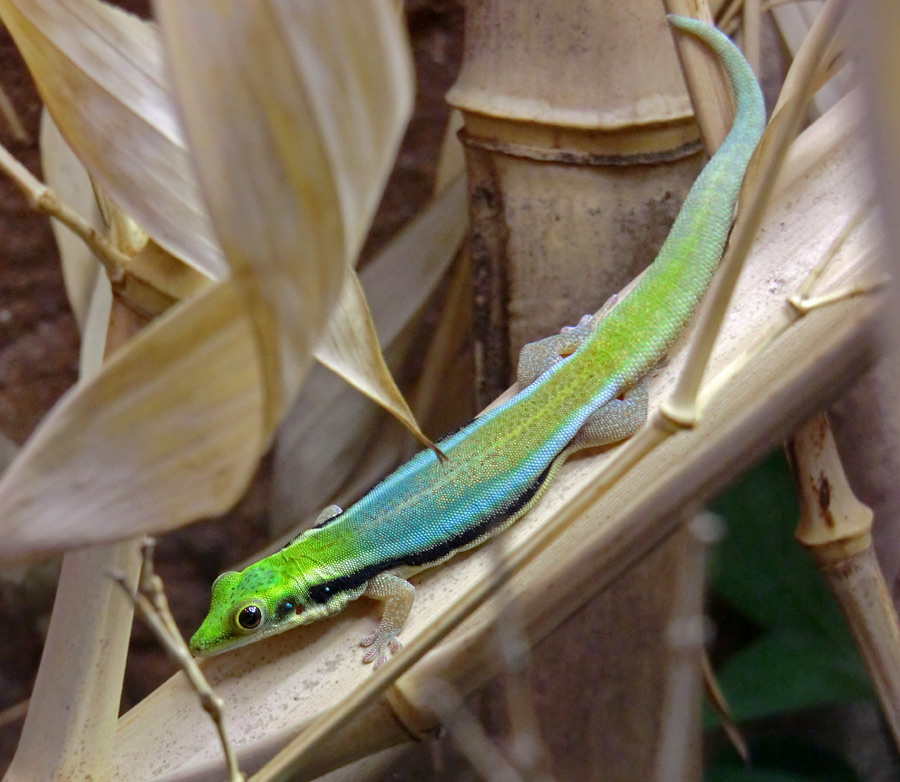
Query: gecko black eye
column 250, row 617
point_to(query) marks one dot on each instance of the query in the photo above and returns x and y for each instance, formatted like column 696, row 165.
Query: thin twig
column 686, row 637
column 150, row 602
column 720, row 705
column 12, row 118
column 468, row 735
column 14, row 713
column 43, row 199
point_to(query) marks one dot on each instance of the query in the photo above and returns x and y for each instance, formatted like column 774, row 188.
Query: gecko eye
column 250, row 617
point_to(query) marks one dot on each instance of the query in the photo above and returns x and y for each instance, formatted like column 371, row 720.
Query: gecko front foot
column 397, row 595
column 379, row 642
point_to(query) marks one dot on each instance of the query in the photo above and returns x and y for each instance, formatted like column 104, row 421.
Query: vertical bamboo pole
column 70, row 727
column 837, row 528
column 580, row 146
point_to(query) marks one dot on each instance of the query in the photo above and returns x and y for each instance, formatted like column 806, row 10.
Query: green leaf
column 787, row 671
column 759, row 568
column 805, row 655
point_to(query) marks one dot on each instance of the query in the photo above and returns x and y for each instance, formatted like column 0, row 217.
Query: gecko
column 583, row 388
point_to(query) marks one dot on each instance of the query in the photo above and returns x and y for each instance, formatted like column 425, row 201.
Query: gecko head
column 247, row 606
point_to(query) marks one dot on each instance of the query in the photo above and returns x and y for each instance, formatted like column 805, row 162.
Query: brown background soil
column 39, row 361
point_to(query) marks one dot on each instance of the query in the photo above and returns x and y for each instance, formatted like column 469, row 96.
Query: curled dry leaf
column 124, row 127
column 320, row 440
column 112, row 62
column 294, row 112
column 350, row 346
column 100, row 72
column 170, row 432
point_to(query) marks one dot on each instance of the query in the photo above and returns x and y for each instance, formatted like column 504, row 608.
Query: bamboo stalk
column 686, row 639
column 70, row 726
column 836, row 527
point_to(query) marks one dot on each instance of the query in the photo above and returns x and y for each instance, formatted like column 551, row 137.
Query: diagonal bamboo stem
column 43, row 199
column 836, row 527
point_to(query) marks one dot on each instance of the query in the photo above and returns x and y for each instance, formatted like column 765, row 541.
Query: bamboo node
column 421, row 725
column 675, row 419
column 837, row 551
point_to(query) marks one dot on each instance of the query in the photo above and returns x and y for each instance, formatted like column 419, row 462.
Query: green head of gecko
column 253, row 604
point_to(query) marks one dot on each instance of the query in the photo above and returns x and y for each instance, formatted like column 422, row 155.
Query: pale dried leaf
column 330, row 422
column 87, row 286
column 38, row 488
column 294, row 112
column 168, row 432
column 350, row 347
column 126, row 78
column 8, row 451
column 70, row 727
column 100, row 72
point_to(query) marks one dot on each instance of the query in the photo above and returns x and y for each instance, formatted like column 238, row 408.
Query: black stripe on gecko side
column 322, row 593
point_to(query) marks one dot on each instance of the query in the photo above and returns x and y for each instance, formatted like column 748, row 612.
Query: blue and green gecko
column 583, row 388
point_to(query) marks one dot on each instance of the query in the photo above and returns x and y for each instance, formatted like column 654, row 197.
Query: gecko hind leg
column 617, row 420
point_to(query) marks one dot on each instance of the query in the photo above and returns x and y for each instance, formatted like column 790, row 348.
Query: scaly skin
column 498, row 465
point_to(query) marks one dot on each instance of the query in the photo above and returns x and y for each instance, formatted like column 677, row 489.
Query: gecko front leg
column 398, row 596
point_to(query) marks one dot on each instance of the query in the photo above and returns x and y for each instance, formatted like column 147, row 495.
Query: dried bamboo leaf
column 794, row 21
column 87, row 286
column 168, row 432
column 276, row 687
column 100, row 72
column 329, row 418
column 44, row 461
column 120, row 72
column 294, row 112
column 8, row 451
column 349, row 347
column 70, row 726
